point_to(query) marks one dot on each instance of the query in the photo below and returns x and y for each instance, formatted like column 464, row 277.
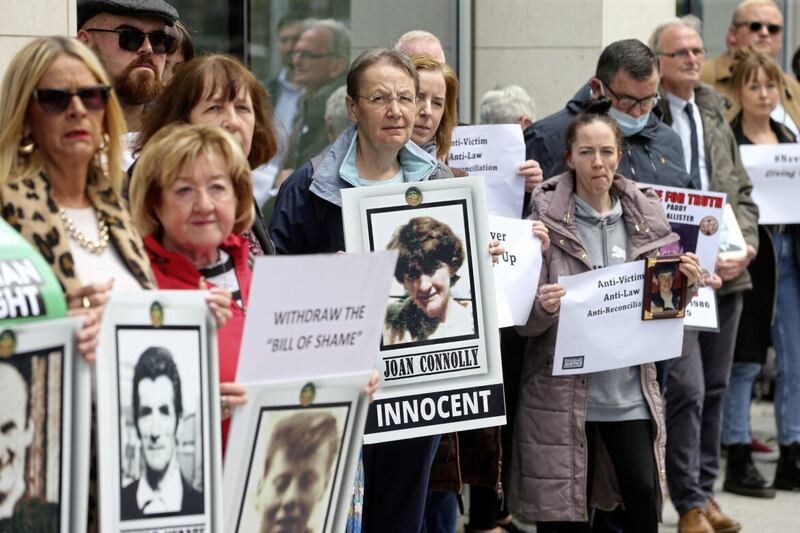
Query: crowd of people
column 130, row 164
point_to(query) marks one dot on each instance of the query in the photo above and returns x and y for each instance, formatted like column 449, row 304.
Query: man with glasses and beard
column 157, row 413
column 129, row 38
column 756, row 23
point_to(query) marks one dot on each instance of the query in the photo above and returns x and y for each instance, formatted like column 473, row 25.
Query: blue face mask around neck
column 628, row 125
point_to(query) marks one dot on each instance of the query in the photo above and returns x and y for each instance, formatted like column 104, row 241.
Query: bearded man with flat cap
column 129, row 38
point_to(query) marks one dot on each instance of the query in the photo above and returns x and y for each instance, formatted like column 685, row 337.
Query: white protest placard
column 324, row 419
column 774, row 170
column 439, row 356
column 701, row 311
column 313, row 316
column 516, row 274
column 600, row 324
column 495, row 152
column 696, row 216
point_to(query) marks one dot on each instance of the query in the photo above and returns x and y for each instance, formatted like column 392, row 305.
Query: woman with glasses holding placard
column 60, row 174
column 382, row 90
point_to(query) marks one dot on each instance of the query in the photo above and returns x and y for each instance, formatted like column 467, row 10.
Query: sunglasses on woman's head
column 131, row 39
column 57, row 100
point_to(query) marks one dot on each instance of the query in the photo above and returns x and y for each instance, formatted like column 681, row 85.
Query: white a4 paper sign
column 600, row 324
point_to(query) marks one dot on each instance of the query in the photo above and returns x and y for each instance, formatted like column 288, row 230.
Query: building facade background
column 549, row 47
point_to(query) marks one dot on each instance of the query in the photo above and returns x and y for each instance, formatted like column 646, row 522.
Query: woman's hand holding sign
column 550, row 296
column 690, row 266
column 542, row 233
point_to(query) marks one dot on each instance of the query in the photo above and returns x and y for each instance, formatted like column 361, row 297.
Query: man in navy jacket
column 628, row 75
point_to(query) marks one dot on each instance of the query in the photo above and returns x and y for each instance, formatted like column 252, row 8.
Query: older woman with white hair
column 508, row 104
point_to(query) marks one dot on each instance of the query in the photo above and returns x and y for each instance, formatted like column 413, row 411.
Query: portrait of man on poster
column 665, row 298
column 157, row 413
column 18, row 511
column 299, row 465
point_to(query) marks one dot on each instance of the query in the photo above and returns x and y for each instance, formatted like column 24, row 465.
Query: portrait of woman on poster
column 430, row 254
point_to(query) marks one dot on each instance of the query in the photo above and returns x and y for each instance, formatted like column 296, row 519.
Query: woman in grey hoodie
column 596, row 440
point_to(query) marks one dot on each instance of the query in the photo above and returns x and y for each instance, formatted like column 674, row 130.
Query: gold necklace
column 95, row 247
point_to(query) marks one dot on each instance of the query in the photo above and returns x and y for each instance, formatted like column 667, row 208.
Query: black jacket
column 307, row 218
column 654, row 155
column 191, row 503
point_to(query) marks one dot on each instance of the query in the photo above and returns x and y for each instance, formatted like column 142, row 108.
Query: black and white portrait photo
column 161, row 423
column 295, row 457
column 30, row 442
column 433, row 297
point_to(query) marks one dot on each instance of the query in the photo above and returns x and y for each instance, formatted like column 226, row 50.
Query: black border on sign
column 650, row 265
column 201, row 413
column 470, row 267
column 297, row 407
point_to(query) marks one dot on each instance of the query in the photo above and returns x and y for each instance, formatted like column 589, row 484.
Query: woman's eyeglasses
column 57, row 100
column 131, row 39
column 755, row 27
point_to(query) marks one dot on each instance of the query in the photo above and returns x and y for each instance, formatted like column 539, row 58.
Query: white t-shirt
column 98, row 268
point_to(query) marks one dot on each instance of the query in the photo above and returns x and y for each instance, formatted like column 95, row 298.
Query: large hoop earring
column 101, row 155
column 26, row 146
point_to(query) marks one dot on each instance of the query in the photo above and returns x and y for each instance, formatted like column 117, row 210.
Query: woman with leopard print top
column 60, row 175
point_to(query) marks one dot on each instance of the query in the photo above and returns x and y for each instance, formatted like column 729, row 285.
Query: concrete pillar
column 23, row 20
column 550, row 47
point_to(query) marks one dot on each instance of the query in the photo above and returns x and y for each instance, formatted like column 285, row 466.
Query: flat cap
column 141, row 8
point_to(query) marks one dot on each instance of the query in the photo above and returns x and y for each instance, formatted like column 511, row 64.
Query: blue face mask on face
column 628, row 125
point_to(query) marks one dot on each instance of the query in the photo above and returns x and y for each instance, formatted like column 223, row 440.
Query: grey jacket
column 725, row 171
column 549, row 459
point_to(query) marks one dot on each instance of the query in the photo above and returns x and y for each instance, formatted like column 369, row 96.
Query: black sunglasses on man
column 131, row 39
column 755, row 27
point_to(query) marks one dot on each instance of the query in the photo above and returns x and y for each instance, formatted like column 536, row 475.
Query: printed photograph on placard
column 293, row 463
column 709, row 225
column 31, row 432
column 433, row 295
column 440, row 330
column 688, row 239
column 160, row 422
column 40, row 428
column 664, row 289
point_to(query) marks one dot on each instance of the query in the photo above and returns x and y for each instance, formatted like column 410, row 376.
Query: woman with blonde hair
column 437, row 110
column 191, row 197
column 770, row 309
column 60, row 173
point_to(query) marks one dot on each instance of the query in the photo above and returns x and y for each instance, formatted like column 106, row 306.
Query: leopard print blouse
column 28, row 206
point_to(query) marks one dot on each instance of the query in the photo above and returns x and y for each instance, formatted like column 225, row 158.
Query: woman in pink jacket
column 596, row 440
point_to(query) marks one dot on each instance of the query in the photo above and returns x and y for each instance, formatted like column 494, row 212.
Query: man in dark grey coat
column 627, row 74
column 696, row 382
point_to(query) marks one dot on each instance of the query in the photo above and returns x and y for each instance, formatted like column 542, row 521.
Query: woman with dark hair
column 596, row 440
column 430, row 254
column 218, row 90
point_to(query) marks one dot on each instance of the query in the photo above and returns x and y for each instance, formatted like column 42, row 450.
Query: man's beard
column 137, row 88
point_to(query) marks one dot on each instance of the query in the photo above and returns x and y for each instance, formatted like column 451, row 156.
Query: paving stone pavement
column 781, row 515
